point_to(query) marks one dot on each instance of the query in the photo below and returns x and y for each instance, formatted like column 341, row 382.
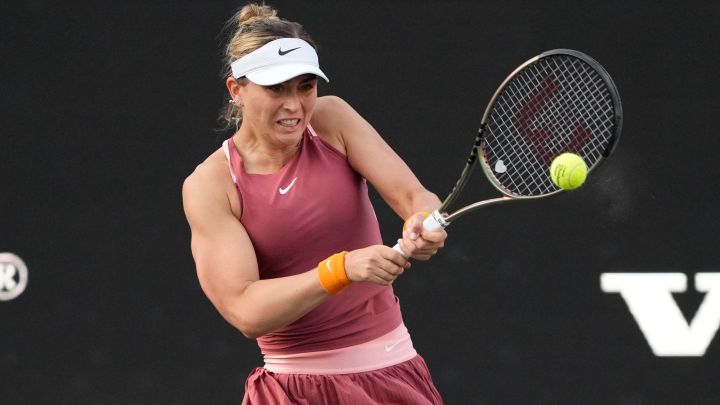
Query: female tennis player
column 286, row 243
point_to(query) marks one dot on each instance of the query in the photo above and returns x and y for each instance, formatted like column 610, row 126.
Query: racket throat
column 448, row 218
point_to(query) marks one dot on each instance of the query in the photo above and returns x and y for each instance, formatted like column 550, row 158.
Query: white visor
column 278, row 61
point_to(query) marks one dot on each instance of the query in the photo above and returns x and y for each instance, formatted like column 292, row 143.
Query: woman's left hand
column 418, row 243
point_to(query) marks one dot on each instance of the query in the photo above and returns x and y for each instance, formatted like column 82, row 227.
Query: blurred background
column 108, row 105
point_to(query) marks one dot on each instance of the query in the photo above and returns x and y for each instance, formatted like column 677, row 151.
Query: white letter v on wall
column 649, row 298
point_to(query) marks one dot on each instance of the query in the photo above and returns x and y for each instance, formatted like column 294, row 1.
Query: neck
column 263, row 157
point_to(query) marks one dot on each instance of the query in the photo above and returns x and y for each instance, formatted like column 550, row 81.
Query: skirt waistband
column 392, row 348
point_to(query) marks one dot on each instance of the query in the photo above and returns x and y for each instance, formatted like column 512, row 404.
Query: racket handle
column 433, row 222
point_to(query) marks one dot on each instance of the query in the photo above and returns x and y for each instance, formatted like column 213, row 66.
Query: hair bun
column 253, row 12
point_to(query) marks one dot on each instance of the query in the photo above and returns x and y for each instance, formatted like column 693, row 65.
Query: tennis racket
column 559, row 101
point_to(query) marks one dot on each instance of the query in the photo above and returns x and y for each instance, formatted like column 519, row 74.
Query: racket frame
column 441, row 218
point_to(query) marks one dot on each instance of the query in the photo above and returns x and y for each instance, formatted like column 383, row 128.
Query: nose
column 292, row 101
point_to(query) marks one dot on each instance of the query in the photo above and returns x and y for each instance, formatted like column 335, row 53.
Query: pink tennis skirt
column 406, row 383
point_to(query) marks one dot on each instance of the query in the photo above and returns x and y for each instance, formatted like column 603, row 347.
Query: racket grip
column 433, row 222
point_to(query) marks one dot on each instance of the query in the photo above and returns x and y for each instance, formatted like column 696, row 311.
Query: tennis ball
column 568, row 171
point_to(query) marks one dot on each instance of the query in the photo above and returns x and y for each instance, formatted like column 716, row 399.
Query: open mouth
column 289, row 122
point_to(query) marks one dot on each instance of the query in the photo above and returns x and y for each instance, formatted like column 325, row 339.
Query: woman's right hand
column 377, row 264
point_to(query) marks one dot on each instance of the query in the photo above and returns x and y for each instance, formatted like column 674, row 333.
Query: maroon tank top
column 315, row 206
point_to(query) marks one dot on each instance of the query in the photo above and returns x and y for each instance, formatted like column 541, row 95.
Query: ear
column 234, row 87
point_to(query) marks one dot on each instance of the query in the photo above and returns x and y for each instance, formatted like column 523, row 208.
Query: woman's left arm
column 340, row 125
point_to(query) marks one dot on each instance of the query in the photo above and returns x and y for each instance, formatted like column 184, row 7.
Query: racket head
column 559, row 101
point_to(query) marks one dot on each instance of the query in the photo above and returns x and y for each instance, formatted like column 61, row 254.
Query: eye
column 276, row 88
column 309, row 85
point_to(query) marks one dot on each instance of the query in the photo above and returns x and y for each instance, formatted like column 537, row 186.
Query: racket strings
column 558, row 104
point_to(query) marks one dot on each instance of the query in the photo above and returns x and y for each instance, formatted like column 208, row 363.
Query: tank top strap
column 226, row 150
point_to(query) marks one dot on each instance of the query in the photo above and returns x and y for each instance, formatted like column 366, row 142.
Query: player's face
column 282, row 111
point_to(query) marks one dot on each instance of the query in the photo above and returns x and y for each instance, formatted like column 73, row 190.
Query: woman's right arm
column 227, row 267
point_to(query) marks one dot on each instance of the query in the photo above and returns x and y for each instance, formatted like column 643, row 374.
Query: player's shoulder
column 210, row 189
column 210, row 175
column 329, row 107
column 331, row 115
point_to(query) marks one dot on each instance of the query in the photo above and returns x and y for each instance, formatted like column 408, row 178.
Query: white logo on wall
column 13, row 276
column 649, row 298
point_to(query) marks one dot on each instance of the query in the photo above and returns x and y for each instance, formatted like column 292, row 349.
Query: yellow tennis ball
column 568, row 171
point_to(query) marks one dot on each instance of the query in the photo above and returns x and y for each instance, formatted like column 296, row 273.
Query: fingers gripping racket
column 559, row 101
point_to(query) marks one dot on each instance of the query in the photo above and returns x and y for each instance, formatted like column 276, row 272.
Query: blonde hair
column 253, row 26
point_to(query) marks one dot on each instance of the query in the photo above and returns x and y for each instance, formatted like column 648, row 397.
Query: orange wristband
column 331, row 272
column 424, row 214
